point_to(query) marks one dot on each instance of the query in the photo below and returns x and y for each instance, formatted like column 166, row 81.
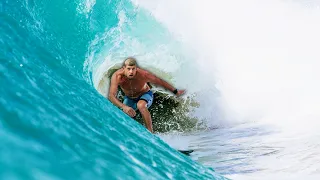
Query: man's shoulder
column 118, row 74
column 143, row 71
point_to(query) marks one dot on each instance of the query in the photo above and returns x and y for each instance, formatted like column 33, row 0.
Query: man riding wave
column 134, row 83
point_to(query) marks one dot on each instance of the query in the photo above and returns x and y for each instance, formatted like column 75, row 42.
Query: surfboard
column 186, row 152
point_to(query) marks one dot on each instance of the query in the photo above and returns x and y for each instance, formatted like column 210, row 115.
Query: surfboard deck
column 186, row 152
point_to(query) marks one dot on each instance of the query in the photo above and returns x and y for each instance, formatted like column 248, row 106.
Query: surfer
column 134, row 83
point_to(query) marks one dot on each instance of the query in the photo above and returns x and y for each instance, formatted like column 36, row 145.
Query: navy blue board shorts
column 147, row 96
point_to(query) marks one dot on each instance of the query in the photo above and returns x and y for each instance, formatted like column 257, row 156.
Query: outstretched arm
column 155, row 80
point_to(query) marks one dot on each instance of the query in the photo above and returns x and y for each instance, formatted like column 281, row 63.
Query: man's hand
column 129, row 110
column 180, row 92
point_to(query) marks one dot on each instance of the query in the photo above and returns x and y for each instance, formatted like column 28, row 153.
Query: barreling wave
column 160, row 53
column 54, row 123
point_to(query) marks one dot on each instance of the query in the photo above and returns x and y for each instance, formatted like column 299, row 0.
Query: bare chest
column 133, row 87
column 132, row 84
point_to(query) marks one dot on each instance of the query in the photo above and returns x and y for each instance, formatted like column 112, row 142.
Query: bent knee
column 142, row 105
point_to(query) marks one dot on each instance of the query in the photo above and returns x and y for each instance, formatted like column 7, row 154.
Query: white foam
column 262, row 56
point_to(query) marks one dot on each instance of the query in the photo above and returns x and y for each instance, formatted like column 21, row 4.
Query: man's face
column 130, row 71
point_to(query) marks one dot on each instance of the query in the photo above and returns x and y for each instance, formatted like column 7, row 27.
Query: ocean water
column 54, row 123
column 251, row 66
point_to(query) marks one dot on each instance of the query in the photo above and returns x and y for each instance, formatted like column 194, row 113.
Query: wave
column 54, row 123
column 256, row 61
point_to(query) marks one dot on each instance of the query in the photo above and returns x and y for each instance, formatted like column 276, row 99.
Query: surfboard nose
column 186, row 152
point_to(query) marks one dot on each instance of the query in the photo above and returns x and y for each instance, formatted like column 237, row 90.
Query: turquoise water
column 54, row 123
column 251, row 67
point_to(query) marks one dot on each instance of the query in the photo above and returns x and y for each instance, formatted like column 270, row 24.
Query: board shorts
column 147, row 96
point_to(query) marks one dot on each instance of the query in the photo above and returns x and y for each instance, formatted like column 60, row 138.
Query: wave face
column 54, row 122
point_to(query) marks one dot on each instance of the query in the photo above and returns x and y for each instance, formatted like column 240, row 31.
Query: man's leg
column 142, row 106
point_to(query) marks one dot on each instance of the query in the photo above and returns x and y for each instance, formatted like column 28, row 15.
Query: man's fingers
column 181, row 92
column 129, row 113
column 132, row 112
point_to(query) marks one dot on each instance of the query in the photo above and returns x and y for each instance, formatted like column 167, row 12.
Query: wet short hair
column 130, row 61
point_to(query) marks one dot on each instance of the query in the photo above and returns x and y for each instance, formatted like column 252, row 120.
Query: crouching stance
column 134, row 83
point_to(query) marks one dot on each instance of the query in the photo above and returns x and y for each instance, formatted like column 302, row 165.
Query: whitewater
column 251, row 67
column 256, row 64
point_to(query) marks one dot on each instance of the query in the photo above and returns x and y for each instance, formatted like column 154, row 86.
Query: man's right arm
column 113, row 90
column 154, row 79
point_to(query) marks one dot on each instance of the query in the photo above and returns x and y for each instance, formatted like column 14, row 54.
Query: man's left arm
column 155, row 80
